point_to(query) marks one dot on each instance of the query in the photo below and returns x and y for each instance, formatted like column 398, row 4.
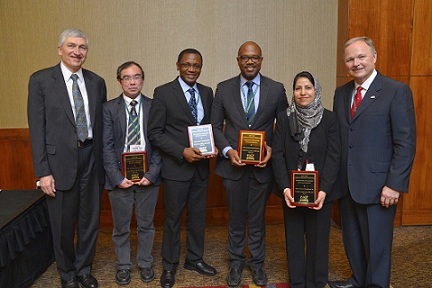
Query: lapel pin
column 372, row 97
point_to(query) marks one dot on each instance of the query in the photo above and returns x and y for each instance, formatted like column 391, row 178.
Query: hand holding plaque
column 251, row 146
column 201, row 137
column 134, row 165
column 304, row 188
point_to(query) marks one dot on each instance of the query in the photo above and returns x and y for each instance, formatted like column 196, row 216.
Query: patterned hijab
column 303, row 119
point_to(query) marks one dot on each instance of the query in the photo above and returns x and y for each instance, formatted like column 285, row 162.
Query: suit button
column 350, row 146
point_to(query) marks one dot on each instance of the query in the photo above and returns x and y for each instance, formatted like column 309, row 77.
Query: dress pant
column 247, row 199
column 81, row 206
column 122, row 204
column 367, row 232
column 179, row 195
column 307, row 233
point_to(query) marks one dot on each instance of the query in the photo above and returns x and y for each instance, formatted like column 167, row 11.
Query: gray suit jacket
column 52, row 125
column 114, row 135
column 379, row 143
column 170, row 116
column 228, row 110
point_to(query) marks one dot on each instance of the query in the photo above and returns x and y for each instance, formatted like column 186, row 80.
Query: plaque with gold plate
column 251, row 146
column 304, row 187
column 201, row 137
column 134, row 165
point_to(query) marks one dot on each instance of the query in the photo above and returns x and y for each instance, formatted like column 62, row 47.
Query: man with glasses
column 185, row 171
column 249, row 101
column 125, row 121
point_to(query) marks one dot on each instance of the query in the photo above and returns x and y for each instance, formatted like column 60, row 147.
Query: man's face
column 73, row 53
column 249, row 60
column 189, row 68
column 359, row 61
column 131, row 81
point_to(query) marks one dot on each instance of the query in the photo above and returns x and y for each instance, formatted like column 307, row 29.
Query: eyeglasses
column 245, row 58
column 189, row 65
column 128, row 78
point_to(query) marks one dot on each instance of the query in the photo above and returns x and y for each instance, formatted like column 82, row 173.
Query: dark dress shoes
column 259, row 277
column 340, row 284
column 123, row 277
column 201, row 267
column 234, row 277
column 147, row 274
column 87, row 281
column 72, row 283
column 167, row 279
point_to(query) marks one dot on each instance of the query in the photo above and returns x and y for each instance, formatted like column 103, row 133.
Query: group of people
column 363, row 152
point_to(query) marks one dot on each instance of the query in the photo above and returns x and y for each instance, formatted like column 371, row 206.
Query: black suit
column 77, row 171
column 185, row 184
column 308, row 269
column 247, row 188
column 378, row 148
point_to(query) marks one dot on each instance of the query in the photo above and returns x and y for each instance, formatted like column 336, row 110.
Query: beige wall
column 294, row 35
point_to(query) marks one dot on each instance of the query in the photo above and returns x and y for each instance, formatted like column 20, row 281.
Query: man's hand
column 288, row 198
column 234, row 158
column 320, row 200
column 191, row 154
column 267, row 157
column 126, row 183
column 389, row 197
column 47, row 185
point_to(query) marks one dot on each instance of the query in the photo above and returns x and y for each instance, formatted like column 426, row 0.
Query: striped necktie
column 80, row 116
column 250, row 104
column 193, row 104
column 133, row 137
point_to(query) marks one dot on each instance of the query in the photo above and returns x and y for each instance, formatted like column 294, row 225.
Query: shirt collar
column 129, row 100
column 256, row 80
column 366, row 84
column 67, row 73
column 185, row 87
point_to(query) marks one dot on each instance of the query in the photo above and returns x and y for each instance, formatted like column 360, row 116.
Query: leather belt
column 86, row 143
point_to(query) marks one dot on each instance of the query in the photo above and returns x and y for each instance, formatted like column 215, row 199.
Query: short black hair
column 189, row 51
column 127, row 65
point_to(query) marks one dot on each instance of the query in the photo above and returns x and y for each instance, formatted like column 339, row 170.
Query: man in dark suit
column 65, row 123
column 125, row 121
column 378, row 137
column 177, row 105
column 247, row 186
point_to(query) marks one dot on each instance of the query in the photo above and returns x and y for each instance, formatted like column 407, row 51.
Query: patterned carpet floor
column 411, row 260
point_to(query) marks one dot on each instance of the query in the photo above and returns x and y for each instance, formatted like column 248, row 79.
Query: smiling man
column 247, row 187
column 65, row 123
column 185, row 171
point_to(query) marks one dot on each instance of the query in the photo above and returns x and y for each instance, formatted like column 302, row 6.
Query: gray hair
column 71, row 33
column 365, row 39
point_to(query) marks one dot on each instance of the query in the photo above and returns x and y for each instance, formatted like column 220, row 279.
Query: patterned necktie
column 356, row 102
column 250, row 103
column 193, row 104
column 134, row 137
column 80, row 116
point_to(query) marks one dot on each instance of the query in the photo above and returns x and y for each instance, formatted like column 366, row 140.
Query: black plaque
column 251, row 146
column 304, row 187
column 134, row 165
column 201, row 137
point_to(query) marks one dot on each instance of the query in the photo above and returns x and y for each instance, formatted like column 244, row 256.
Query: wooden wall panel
column 421, row 60
column 16, row 172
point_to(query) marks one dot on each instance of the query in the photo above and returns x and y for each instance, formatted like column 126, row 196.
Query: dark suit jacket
column 378, row 145
column 114, row 135
column 169, row 118
column 228, row 109
column 52, row 125
column 323, row 151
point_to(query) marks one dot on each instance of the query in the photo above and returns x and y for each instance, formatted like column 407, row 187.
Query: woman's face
column 304, row 92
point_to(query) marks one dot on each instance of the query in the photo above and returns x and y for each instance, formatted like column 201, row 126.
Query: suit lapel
column 264, row 94
column 372, row 94
column 91, row 91
column 238, row 101
column 62, row 93
column 145, row 111
column 121, row 112
column 181, row 99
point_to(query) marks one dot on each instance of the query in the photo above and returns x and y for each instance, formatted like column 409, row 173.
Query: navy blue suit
column 378, row 148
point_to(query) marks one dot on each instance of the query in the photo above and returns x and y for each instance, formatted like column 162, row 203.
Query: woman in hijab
column 307, row 138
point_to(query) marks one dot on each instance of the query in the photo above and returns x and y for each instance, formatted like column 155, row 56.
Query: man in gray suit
column 125, row 120
column 185, row 171
column 247, row 186
column 378, row 136
column 65, row 123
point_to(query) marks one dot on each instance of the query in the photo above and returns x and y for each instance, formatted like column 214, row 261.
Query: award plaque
column 134, row 165
column 251, row 146
column 201, row 137
column 304, row 187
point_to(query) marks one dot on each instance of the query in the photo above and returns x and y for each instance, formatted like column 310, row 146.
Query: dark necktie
column 356, row 102
column 193, row 104
column 80, row 116
column 250, row 103
column 133, row 126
